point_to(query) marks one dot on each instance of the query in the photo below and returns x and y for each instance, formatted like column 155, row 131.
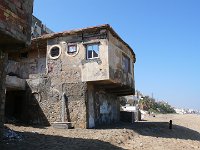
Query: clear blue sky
column 165, row 35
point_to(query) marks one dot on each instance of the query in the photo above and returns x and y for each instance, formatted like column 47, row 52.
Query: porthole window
column 55, row 52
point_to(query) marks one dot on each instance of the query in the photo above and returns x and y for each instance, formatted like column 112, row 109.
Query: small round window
column 55, row 52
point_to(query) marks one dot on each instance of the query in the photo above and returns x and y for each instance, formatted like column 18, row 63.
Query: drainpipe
column 63, row 108
column 47, row 69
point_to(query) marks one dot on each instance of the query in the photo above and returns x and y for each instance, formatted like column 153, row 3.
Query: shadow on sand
column 161, row 129
column 35, row 141
column 158, row 129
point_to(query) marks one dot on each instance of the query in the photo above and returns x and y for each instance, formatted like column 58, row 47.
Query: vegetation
column 149, row 104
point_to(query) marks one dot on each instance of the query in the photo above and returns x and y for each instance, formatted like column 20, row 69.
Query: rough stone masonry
column 15, row 32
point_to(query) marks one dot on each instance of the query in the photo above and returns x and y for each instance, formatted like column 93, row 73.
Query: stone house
column 15, row 33
column 74, row 76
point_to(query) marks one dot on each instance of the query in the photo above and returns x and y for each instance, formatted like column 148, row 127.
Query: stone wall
column 3, row 60
column 76, row 101
column 42, row 103
column 46, row 102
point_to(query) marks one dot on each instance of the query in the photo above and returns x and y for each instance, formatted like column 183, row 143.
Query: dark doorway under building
column 15, row 106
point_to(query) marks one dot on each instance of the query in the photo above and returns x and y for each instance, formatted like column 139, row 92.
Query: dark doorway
column 14, row 106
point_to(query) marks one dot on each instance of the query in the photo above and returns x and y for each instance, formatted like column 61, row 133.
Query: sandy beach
column 151, row 134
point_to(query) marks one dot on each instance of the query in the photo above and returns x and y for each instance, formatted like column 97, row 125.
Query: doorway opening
column 15, row 106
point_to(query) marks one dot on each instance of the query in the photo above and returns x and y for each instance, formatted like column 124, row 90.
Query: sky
column 164, row 34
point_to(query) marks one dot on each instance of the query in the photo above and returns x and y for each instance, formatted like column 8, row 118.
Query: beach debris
column 9, row 134
column 141, row 144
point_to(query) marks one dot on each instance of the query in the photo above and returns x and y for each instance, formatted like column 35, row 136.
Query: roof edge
column 69, row 32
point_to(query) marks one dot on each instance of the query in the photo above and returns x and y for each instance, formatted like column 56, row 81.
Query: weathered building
column 74, row 76
column 15, row 32
column 38, row 28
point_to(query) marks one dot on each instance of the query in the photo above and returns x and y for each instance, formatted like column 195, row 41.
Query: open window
column 126, row 64
column 92, row 51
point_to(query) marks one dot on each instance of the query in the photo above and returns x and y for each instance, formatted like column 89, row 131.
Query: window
column 126, row 64
column 71, row 49
column 55, row 52
column 92, row 51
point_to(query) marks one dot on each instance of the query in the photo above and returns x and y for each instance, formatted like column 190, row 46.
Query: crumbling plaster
column 116, row 50
column 103, row 108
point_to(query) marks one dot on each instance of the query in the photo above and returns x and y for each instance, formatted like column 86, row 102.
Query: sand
column 152, row 134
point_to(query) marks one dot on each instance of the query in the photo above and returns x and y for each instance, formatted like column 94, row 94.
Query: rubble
column 9, row 135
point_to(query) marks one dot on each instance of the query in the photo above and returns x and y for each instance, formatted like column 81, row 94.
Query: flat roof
column 75, row 31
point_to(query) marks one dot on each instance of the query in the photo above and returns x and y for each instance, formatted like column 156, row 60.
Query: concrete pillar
column 3, row 61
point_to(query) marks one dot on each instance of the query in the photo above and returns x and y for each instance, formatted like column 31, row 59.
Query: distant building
column 38, row 28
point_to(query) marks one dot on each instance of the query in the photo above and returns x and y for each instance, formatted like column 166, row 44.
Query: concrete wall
column 31, row 67
column 88, row 70
column 116, row 50
column 15, row 22
column 15, row 83
column 103, row 108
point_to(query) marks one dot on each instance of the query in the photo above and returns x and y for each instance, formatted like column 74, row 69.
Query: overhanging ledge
column 15, row 83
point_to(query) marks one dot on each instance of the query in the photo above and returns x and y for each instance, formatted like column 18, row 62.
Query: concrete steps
column 62, row 125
